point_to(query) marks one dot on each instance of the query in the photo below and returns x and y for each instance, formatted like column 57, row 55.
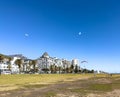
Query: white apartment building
column 75, row 62
column 4, row 66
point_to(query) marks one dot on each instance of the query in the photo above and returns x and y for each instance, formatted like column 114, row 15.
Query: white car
column 5, row 71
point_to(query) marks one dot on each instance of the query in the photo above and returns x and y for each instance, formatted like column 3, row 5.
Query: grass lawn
column 10, row 82
column 99, row 84
column 62, row 84
column 24, row 79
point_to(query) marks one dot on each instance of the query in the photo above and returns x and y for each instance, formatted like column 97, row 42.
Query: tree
column 92, row 71
column 19, row 63
column 1, row 57
column 72, row 68
column 34, row 62
column 9, row 58
column 67, row 69
column 55, row 70
column 45, row 70
column 63, row 69
column 9, row 63
column 51, row 68
column 9, row 67
column 4, row 56
column 76, row 69
column 59, row 68
column 30, row 64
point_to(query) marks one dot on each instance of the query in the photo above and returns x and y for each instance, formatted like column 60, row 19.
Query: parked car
column 5, row 71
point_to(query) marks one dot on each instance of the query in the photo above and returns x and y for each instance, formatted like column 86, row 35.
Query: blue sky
column 32, row 27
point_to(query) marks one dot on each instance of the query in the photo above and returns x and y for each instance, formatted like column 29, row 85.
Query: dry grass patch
column 50, row 94
column 24, row 80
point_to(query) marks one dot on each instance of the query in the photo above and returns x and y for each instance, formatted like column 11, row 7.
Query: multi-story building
column 45, row 63
column 5, row 65
column 75, row 62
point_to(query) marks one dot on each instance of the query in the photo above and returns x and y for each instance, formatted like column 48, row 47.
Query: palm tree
column 67, row 69
column 72, row 68
column 9, row 63
column 34, row 62
column 30, row 64
column 63, row 67
column 51, row 68
column 59, row 68
column 9, row 67
column 19, row 63
column 55, row 70
column 76, row 69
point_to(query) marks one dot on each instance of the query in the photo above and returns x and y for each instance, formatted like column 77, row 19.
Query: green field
column 9, row 82
column 37, row 78
column 82, row 84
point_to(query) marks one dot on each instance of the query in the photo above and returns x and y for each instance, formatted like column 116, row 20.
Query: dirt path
column 115, row 93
